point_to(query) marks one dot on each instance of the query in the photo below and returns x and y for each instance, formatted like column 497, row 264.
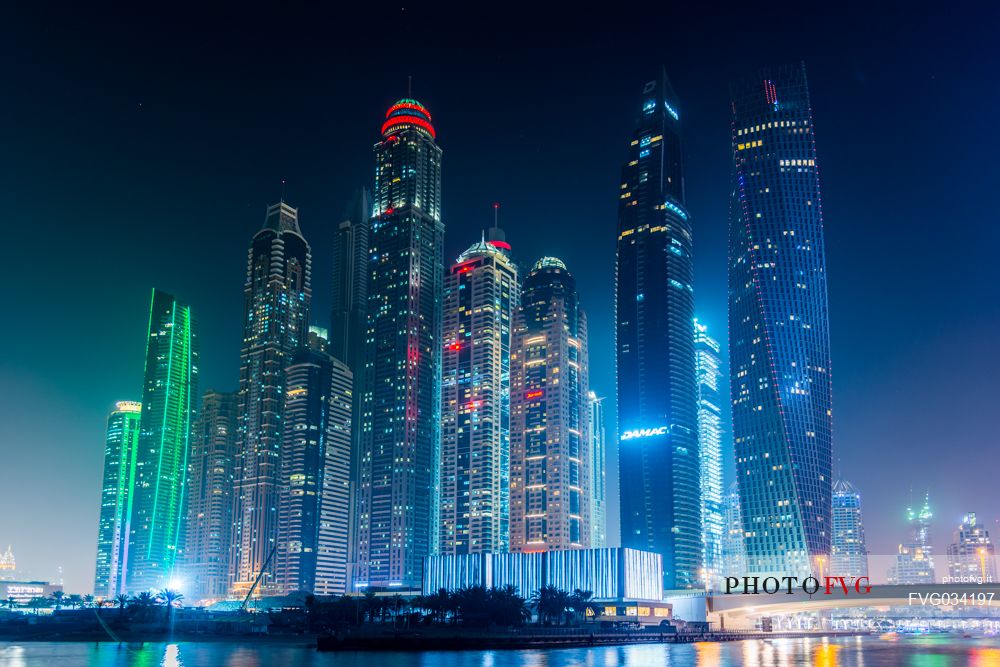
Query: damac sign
column 644, row 432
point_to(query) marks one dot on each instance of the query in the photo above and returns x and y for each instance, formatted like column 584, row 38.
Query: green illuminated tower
column 169, row 388
column 120, row 448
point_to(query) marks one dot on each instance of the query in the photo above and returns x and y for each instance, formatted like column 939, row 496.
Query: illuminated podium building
column 627, row 583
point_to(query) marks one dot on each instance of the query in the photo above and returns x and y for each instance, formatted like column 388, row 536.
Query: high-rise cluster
column 448, row 413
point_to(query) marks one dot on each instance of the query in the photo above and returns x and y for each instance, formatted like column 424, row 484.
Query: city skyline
column 826, row 141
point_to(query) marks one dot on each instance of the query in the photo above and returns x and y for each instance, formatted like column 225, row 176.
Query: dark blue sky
column 140, row 150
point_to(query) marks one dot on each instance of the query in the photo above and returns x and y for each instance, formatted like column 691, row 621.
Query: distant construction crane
column 260, row 575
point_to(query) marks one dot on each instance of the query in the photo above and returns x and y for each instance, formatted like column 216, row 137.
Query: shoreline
column 433, row 641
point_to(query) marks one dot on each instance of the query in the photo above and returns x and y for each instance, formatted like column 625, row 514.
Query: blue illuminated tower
column 709, row 369
column 778, row 326
column 657, row 391
column 401, row 406
column 848, row 553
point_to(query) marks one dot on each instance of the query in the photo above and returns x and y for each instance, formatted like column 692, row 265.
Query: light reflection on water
column 930, row 651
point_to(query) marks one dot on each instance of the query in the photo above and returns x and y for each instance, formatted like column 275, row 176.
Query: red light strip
column 404, row 105
column 409, row 120
column 500, row 244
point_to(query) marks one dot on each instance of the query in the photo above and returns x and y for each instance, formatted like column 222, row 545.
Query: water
column 928, row 651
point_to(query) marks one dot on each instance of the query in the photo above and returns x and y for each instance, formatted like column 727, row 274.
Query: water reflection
column 840, row 652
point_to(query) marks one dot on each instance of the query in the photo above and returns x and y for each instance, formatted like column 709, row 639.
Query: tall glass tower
column 347, row 327
column 480, row 295
column 848, row 553
column 550, row 415
column 778, row 326
column 168, row 408
column 401, row 413
column 734, row 552
column 915, row 559
column 598, row 477
column 709, row 370
column 210, row 497
column 654, row 302
column 315, row 465
column 120, row 449
column 971, row 556
column 277, row 295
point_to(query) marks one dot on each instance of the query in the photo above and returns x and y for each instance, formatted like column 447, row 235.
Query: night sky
column 141, row 150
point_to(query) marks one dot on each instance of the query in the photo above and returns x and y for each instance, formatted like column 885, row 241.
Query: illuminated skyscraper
column 348, row 322
column 401, row 414
column 598, row 478
column 971, row 557
column 168, row 408
column 734, row 552
column 277, row 296
column 315, row 473
column 709, row 372
column 210, row 498
column 848, row 553
column 778, row 326
column 654, row 302
column 120, row 449
column 481, row 291
column 550, row 441
column 915, row 560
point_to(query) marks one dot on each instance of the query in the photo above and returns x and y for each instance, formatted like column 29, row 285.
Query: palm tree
column 122, row 600
column 550, row 603
column 10, row 602
column 579, row 600
column 37, row 603
column 74, row 601
column 58, row 597
column 88, row 600
column 170, row 599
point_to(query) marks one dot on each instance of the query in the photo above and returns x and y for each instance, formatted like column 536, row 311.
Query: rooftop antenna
column 496, row 214
column 409, row 86
column 283, row 191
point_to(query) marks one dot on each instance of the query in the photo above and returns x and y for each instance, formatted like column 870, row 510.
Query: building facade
column 778, row 323
column 333, row 560
column 550, row 422
column 347, row 326
column 314, row 502
column 120, row 450
column 610, row 574
column 481, row 291
column 156, row 522
column 210, row 497
column 709, row 373
column 848, row 551
column 915, row 558
column 277, row 296
column 654, row 309
column 734, row 552
column 972, row 556
column 401, row 406
column 598, row 476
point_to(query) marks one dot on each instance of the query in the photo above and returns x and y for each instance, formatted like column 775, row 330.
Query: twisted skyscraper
column 778, row 326
column 654, row 302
